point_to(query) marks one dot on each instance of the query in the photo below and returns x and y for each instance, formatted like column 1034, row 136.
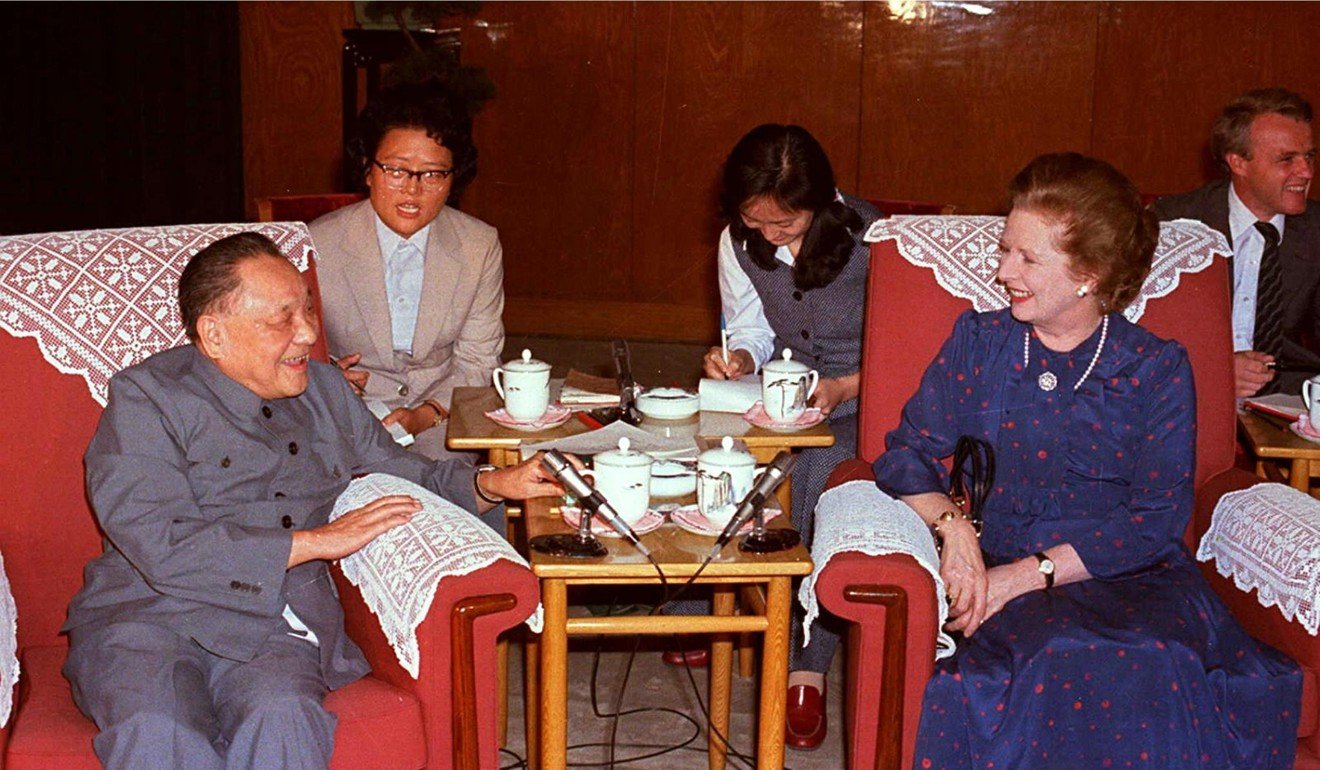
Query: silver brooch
column 1047, row 381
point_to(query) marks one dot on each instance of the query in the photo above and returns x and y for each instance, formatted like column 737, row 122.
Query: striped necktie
column 1268, row 336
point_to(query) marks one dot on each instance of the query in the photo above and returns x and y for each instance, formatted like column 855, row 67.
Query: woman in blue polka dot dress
column 1089, row 639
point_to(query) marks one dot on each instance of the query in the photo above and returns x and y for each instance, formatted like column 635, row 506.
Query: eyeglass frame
column 441, row 175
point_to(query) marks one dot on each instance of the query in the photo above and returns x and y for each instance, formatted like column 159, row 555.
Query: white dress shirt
column 1248, row 246
column 405, row 264
column 744, row 316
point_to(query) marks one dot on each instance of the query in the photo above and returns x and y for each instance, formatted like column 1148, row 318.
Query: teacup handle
column 1306, row 394
column 495, row 377
column 814, row 377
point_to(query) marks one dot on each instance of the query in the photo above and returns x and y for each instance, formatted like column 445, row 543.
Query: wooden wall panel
column 556, row 145
column 1167, row 69
column 957, row 97
column 601, row 150
column 706, row 73
column 291, row 100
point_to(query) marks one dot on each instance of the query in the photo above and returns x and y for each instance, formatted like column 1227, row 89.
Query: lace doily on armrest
column 8, row 646
column 857, row 516
column 963, row 253
column 1267, row 537
column 100, row 300
column 398, row 572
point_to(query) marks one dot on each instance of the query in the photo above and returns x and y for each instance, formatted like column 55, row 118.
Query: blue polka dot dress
column 1141, row 666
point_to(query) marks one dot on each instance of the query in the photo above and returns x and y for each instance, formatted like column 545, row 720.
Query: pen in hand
column 724, row 340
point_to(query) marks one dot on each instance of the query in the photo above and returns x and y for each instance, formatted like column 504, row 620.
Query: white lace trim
column 963, row 253
column 98, row 301
column 1267, row 537
column 857, row 516
column 398, row 573
column 8, row 646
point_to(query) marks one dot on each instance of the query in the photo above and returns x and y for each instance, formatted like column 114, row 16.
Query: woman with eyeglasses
column 412, row 290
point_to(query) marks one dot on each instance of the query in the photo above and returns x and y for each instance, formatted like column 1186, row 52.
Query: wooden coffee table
column 470, row 429
column 679, row 554
column 1273, row 444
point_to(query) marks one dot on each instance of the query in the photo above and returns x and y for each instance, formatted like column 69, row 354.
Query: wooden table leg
column 502, row 682
column 1300, row 476
column 532, row 700
column 774, row 674
column 721, row 678
column 554, row 676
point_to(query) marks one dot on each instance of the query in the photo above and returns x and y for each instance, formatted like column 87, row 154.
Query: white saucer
column 690, row 518
column 649, row 522
column 757, row 416
column 555, row 416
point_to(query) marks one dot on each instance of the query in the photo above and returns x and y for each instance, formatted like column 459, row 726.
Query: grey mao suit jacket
column 1299, row 253
column 460, row 329
column 198, row 485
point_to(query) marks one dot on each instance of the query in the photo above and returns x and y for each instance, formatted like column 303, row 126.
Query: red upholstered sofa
column 445, row 718
column 890, row 601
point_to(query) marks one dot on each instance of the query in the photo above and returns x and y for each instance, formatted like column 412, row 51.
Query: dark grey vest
column 822, row 326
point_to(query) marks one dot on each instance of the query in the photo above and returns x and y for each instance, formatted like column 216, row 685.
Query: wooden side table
column 679, row 555
column 1273, row 444
column 469, row 429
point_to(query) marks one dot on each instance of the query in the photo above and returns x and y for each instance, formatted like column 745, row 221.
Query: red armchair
column 444, row 718
column 889, row 600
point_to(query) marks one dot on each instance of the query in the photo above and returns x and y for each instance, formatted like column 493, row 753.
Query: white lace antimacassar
column 963, row 253
column 8, row 646
column 1267, row 537
column 857, row 516
column 98, row 301
column 398, row 572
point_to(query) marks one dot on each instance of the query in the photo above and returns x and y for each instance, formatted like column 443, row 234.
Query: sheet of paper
column 606, row 438
column 730, row 395
column 401, row 436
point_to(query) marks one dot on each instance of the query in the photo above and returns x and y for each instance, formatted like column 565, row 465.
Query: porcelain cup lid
column 526, row 364
column 623, row 457
column 785, row 365
column 725, row 456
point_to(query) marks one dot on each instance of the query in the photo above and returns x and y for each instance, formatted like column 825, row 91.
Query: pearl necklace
column 1047, row 381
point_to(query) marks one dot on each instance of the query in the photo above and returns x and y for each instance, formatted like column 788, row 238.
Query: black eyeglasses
column 396, row 177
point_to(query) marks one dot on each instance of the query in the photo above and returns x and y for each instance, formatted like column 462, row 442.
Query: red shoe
column 698, row 658
column 804, row 723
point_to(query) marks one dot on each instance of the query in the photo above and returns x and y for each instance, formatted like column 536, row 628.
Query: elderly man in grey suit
column 1264, row 141
column 208, row 632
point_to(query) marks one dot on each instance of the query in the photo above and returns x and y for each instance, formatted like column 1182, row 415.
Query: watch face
column 1047, row 567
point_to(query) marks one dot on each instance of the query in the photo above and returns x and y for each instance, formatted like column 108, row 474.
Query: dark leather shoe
column 804, row 726
column 699, row 658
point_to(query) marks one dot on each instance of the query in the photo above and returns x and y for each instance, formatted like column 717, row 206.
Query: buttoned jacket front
column 198, row 485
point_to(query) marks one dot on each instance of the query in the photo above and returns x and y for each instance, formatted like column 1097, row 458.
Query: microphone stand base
column 770, row 541
column 571, row 546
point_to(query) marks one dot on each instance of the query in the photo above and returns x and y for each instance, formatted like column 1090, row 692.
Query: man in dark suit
column 1263, row 140
column 208, row 632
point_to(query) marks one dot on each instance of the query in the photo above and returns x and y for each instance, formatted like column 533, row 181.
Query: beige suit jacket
column 460, row 332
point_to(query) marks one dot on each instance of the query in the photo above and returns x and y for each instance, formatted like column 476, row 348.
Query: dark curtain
column 119, row 114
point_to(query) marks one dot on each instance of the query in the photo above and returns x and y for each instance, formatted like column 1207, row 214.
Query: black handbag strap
column 973, row 476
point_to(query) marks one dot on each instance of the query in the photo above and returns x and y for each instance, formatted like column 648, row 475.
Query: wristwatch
column 477, row 487
column 1046, row 568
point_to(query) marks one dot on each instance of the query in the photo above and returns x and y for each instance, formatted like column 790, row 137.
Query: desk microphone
column 774, row 475
column 591, row 500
